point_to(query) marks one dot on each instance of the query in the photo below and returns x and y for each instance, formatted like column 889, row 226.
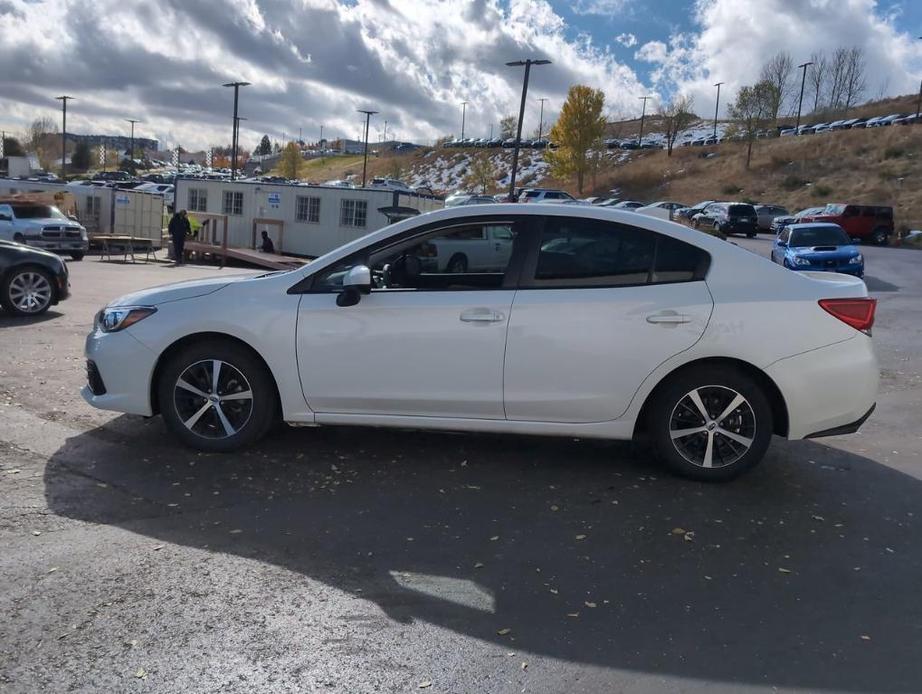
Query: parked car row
column 506, row 143
column 852, row 124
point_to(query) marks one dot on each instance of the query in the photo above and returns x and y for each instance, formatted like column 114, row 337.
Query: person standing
column 179, row 228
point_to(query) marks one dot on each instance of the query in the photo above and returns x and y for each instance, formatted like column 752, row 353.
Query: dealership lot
column 362, row 560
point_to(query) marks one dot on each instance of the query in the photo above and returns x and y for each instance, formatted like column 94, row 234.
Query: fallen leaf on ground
column 580, row 537
column 783, row 570
column 524, row 666
column 236, row 531
column 141, row 673
column 157, row 548
column 865, row 637
column 494, row 538
column 572, row 614
column 36, row 532
column 678, row 531
column 424, row 685
column 478, row 565
column 589, row 604
column 504, row 631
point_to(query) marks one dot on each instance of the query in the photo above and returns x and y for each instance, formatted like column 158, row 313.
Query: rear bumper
column 845, row 428
column 831, row 388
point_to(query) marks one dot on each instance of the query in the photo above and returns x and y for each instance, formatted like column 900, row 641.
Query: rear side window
column 593, row 253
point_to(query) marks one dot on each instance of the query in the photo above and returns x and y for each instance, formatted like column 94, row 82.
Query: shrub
column 792, row 182
column 894, row 152
column 731, row 189
column 821, row 191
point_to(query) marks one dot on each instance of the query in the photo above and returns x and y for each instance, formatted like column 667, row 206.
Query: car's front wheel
column 711, row 423
column 880, row 237
column 27, row 291
column 78, row 256
column 217, row 396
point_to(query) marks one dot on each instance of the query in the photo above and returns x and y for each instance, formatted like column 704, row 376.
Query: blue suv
column 817, row 246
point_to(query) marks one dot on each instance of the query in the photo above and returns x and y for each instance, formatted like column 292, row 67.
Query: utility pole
column 368, row 115
column 800, row 103
column 132, row 121
column 643, row 113
column 716, row 109
column 463, row 110
column 384, row 136
column 541, row 118
column 518, row 134
column 919, row 103
column 63, row 100
column 320, row 142
column 491, row 131
column 236, row 86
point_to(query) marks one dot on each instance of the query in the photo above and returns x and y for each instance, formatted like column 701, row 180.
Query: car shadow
column 875, row 284
column 804, row 573
column 9, row 320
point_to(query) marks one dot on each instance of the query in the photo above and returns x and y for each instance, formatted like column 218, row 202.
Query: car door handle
column 668, row 318
column 482, row 315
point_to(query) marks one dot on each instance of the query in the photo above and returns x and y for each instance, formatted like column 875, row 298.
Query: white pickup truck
column 42, row 226
column 475, row 248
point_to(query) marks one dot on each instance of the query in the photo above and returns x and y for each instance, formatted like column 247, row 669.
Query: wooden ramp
column 272, row 261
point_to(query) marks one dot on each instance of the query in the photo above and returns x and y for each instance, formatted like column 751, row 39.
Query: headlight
column 83, row 235
column 856, row 259
column 111, row 320
column 801, row 261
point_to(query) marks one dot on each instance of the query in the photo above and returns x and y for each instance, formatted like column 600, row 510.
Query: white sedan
column 602, row 323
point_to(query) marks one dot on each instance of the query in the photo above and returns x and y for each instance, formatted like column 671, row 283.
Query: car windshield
column 834, row 209
column 37, row 212
column 819, row 236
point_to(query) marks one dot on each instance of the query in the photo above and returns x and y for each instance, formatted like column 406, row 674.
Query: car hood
column 177, row 291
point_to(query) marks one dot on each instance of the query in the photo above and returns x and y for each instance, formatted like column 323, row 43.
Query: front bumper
column 855, row 270
column 60, row 245
column 125, row 367
column 828, row 388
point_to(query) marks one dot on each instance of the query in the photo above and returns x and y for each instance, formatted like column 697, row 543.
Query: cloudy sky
column 314, row 62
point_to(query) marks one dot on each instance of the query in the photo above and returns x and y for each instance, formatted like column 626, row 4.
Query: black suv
column 734, row 218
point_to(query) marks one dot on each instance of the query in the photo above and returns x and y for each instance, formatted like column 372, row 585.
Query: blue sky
column 312, row 63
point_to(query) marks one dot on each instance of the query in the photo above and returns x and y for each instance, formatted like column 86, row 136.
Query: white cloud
column 736, row 37
column 600, row 7
column 627, row 39
column 652, row 52
column 311, row 62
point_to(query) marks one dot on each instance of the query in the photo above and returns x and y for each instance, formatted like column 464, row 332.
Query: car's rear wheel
column 712, row 423
column 27, row 291
column 77, row 256
column 217, row 396
column 457, row 264
column 880, row 237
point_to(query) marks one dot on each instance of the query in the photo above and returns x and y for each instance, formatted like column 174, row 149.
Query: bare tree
column 752, row 110
column 677, row 114
column 777, row 72
column 817, row 76
column 37, row 131
column 508, row 126
column 855, row 82
column 837, row 68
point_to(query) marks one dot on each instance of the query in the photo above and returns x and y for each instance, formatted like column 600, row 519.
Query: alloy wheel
column 213, row 399
column 30, row 292
column 712, row 426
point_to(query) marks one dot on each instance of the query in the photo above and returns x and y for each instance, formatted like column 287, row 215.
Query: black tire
column 240, row 372
column 18, row 238
column 751, row 234
column 457, row 264
column 696, row 223
column 880, row 237
column 672, row 409
column 76, row 257
column 16, row 280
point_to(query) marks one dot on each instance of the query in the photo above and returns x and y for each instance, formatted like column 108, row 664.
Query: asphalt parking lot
column 353, row 560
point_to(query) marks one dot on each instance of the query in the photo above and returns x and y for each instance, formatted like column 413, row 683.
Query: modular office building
column 301, row 219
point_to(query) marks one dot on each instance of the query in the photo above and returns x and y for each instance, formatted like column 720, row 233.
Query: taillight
column 858, row 313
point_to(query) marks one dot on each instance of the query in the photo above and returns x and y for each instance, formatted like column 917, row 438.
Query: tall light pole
column 541, row 118
column 800, row 103
column 236, row 86
column 463, row 112
column 643, row 113
column 63, row 100
column 368, row 115
column 518, row 134
column 132, row 121
column 919, row 102
column 716, row 110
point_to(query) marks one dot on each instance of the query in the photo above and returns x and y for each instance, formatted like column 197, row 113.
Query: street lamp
column 368, row 115
column 237, row 120
column 63, row 100
column 518, row 134
column 541, row 118
column 800, row 103
column 919, row 103
column 463, row 110
column 131, row 151
column 236, row 86
column 642, row 114
column 716, row 110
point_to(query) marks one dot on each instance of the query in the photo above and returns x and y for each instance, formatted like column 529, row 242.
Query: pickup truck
column 42, row 226
column 475, row 248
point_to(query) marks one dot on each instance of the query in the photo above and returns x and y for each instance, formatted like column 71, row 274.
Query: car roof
column 812, row 225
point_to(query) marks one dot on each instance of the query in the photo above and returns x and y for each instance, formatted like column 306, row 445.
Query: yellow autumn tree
column 291, row 162
column 577, row 131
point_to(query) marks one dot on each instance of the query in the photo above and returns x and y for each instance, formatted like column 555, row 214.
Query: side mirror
column 5, row 218
column 356, row 282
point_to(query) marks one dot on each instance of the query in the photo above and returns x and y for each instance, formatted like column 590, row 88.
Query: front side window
column 461, row 257
column 577, row 252
column 233, row 202
column 308, row 209
column 353, row 213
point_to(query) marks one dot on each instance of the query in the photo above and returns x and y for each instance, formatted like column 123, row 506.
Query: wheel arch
column 776, row 400
column 194, row 338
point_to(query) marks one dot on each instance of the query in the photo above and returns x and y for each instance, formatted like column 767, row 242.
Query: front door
column 600, row 306
column 427, row 341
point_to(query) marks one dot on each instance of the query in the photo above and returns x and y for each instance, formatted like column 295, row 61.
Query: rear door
column 600, row 305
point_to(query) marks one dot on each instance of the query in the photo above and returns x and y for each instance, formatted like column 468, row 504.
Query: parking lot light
column 368, row 115
column 463, row 110
column 717, row 109
column 236, row 86
column 803, row 81
column 518, row 135
column 919, row 102
column 63, row 100
column 643, row 113
column 132, row 121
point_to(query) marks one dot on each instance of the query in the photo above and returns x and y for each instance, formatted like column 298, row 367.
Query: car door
column 423, row 342
column 600, row 305
column 6, row 223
